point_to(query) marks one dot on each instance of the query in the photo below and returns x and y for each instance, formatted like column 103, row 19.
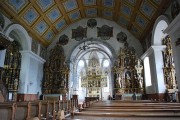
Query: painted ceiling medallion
column 79, row 33
column 91, row 23
column 63, row 40
column 121, row 37
column 105, row 32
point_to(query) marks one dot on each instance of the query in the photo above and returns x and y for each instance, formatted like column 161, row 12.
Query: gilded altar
column 10, row 74
column 169, row 67
column 128, row 74
column 56, row 73
column 94, row 79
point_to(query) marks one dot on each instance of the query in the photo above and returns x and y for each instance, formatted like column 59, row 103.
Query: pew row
column 42, row 110
column 130, row 109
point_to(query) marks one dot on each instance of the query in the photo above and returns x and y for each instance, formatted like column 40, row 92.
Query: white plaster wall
column 158, row 32
column 31, row 73
column 159, row 68
column 93, row 33
column 35, row 76
column 160, row 25
column 156, row 57
column 151, row 89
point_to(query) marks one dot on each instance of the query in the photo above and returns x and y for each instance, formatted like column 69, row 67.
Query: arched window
column 106, row 63
column 147, row 72
column 81, row 63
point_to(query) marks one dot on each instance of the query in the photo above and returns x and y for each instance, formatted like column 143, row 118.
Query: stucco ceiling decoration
column 45, row 19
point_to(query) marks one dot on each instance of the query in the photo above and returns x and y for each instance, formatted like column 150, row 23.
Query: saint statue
column 138, row 67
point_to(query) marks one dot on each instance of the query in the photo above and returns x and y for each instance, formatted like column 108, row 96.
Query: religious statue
column 139, row 77
column 63, row 83
column 16, row 84
column 117, row 83
column 128, row 80
column 138, row 67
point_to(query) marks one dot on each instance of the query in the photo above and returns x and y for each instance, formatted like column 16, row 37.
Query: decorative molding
column 33, row 55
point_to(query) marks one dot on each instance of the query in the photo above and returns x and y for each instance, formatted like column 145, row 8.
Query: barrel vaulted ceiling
column 44, row 19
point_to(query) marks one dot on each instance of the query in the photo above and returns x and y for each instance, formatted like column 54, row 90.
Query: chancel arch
column 93, row 57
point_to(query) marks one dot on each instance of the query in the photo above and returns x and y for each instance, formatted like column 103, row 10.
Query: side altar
column 128, row 77
column 56, row 74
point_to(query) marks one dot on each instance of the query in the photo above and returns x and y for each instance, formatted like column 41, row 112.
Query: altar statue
column 138, row 67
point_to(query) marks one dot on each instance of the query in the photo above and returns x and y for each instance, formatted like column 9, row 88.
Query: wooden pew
column 7, row 111
column 37, row 109
column 22, row 111
column 129, row 109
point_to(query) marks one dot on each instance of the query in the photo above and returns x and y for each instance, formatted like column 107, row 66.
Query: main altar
column 94, row 79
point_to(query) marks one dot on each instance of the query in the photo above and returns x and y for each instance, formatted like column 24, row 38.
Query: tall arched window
column 147, row 72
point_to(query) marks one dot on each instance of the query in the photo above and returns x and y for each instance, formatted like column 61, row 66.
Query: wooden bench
column 7, row 111
column 128, row 109
column 43, row 110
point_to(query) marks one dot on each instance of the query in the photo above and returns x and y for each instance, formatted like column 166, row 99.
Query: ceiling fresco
column 44, row 19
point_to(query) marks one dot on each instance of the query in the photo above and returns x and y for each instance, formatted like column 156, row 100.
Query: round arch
column 22, row 34
column 93, row 43
column 98, row 46
column 160, row 25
